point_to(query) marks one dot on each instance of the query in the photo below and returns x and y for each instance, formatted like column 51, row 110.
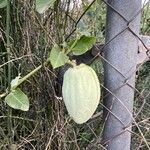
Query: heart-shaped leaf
column 43, row 5
column 57, row 57
column 84, row 44
column 3, row 3
column 17, row 100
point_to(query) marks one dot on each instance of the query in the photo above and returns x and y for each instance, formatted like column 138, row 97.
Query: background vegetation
column 47, row 125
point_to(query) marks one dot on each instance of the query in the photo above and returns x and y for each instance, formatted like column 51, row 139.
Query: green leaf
column 3, row 3
column 84, row 44
column 43, row 5
column 17, row 100
column 57, row 57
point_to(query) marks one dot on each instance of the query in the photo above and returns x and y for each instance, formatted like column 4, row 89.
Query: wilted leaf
column 17, row 100
column 57, row 57
column 84, row 44
column 3, row 3
column 43, row 5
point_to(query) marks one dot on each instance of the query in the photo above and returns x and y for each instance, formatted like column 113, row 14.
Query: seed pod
column 81, row 92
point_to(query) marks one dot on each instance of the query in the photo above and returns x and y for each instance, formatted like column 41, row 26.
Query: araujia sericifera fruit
column 81, row 92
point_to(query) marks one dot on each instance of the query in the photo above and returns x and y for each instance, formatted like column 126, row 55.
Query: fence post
column 123, row 22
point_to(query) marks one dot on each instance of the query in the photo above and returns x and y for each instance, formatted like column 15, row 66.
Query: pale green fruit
column 81, row 92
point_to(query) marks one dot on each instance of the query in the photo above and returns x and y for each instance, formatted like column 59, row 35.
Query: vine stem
column 30, row 74
column 73, row 63
column 27, row 76
column 9, row 110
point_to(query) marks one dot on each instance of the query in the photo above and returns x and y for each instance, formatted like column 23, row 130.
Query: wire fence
column 125, row 82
